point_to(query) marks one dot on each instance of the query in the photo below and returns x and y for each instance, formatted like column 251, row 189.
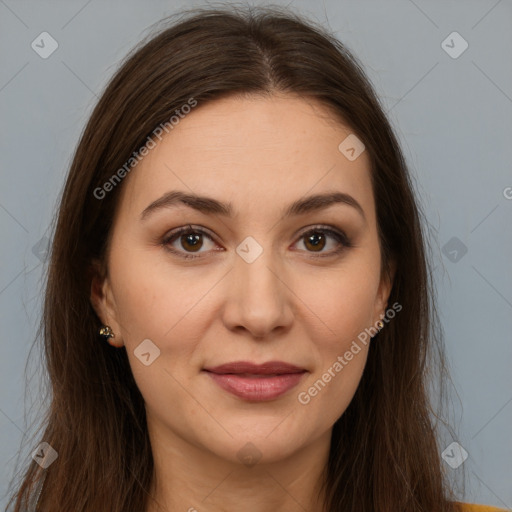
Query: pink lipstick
column 254, row 382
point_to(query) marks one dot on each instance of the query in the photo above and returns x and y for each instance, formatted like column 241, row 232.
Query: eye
column 315, row 240
column 190, row 240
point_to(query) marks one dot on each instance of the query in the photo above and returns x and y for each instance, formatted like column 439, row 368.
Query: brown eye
column 186, row 240
column 191, row 241
column 316, row 239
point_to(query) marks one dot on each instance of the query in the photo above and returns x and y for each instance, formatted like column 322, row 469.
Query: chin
column 265, row 443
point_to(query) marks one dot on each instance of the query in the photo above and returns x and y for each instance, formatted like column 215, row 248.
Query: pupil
column 316, row 240
column 192, row 240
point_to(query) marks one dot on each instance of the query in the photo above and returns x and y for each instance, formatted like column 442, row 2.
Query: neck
column 190, row 479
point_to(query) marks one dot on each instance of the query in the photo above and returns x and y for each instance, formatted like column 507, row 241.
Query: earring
column 106, row 332
column 380, row 324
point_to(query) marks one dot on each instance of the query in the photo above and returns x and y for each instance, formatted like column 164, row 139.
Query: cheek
column 327, row 393
column 341, row 357
column 168, row 306
column 156, row 303
column 343, row 303
column 151, row 296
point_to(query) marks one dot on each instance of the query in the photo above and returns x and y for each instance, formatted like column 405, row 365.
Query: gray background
column 453, row 116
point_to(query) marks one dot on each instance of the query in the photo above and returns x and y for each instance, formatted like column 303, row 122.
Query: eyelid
column 338, row 234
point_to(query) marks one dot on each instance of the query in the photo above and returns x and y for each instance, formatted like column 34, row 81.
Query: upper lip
column 269, row 368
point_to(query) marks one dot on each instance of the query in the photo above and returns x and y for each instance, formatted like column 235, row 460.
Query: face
column 259, row 285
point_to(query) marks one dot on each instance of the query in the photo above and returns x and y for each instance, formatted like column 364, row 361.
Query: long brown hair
column 384, row 454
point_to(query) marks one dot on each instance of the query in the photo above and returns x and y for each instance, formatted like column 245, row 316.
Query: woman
column 238, row 311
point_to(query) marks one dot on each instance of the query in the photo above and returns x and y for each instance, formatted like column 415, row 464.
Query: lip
column 256, row 382
column 268, row 368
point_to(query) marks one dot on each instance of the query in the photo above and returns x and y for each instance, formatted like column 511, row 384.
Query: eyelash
column 339, row 236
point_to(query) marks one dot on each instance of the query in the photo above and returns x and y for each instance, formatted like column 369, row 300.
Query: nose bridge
column 258, row 297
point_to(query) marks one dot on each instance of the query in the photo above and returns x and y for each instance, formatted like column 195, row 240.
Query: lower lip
column 258, row 389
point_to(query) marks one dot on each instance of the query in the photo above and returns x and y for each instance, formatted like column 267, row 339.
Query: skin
column 260, row 154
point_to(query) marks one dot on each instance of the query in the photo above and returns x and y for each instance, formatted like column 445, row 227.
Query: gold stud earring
column 380, row 324
column 106, row 332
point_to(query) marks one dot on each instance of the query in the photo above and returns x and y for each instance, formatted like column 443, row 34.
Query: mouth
column 258, row 383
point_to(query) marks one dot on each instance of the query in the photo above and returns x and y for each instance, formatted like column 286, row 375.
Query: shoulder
column 471, row 507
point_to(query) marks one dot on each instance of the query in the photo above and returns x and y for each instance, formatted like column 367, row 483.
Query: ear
column 384, row 291
column 103, row 303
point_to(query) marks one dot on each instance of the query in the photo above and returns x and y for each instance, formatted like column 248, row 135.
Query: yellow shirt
column 471, row 507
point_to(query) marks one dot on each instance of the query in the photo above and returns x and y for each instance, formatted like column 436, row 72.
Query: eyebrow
column 209, row 205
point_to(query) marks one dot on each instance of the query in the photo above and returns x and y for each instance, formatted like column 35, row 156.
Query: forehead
column 251, row 151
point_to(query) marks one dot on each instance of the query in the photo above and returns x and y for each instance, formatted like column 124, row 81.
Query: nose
column 258, row 297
